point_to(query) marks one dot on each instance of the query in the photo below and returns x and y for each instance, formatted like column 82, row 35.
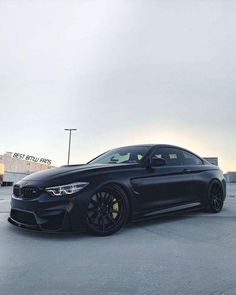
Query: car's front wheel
column 215, row 200
column 108, row 210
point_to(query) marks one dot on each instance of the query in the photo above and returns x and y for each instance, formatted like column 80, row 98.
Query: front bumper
column 50, row 214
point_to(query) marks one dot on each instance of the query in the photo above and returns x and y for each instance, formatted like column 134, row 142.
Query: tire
column 108, row 210
column 215, row 198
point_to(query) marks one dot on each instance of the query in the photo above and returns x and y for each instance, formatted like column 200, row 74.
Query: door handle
column 187, row 171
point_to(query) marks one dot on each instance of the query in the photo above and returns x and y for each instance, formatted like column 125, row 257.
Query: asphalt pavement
column 194, row 253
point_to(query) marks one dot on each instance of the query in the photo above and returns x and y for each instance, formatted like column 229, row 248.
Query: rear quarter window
column 190, row 159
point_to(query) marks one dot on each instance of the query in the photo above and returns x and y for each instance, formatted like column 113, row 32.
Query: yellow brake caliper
column 115, row 206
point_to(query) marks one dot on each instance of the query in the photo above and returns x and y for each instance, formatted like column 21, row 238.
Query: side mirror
column 157, row 162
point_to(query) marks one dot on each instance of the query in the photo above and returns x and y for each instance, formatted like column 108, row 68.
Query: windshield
column 122, row 155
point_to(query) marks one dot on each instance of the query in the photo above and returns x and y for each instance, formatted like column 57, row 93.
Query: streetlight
column 70, row 130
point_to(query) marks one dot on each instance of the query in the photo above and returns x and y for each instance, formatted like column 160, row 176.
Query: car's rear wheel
column 108, row 210
column 215, row 200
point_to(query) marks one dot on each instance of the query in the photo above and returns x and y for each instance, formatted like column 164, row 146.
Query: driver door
column 164, row 186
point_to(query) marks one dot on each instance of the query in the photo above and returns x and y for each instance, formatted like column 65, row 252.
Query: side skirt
column 170, row 211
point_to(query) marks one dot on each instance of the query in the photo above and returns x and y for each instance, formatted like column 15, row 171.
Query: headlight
column 68, row 189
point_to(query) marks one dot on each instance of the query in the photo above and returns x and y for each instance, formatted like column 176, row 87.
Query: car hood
column 70, row 173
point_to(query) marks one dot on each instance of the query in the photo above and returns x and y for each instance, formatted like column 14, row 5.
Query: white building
column 212, row 160
column 15, row 166
column 230, row 177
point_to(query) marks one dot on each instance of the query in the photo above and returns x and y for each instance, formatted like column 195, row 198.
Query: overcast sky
column 122, row 72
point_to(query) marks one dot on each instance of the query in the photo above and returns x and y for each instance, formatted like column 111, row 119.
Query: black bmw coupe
column 127, row 183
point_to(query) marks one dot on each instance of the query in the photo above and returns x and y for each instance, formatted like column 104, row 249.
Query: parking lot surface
column 194, row 253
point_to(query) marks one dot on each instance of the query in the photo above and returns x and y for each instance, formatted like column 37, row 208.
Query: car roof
column 152, row 145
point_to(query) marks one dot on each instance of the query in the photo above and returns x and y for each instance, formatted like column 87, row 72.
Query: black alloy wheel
column 215, row 197
column 108, row 210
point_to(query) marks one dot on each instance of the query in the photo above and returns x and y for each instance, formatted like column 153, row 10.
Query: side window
column 160, row 153
column 115, row 158
column 190, row 159
column 172, row 156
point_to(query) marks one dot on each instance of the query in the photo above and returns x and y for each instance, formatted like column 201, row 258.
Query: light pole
column 70, row 130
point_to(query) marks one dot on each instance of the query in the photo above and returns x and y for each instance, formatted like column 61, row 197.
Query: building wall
column 14, row 169
column 13, row 177
column 1, row 168
column 212, row 160
column 1, row 172
column 21, row 166
column 230, row 177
